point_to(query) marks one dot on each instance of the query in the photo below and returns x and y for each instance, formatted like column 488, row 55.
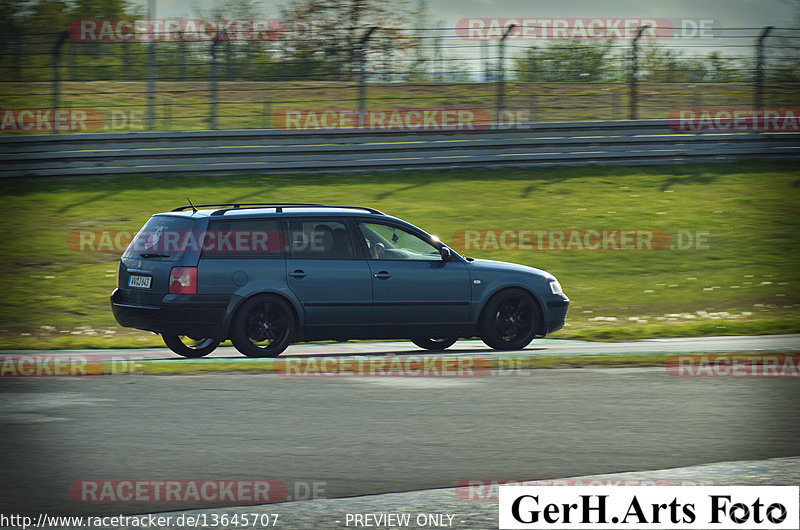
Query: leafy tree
column 724, row 69
column 326, row 34
column 568, row 61
column 657, row 64
column 250, row 60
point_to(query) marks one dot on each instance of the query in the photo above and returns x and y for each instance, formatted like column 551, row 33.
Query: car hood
column 501, row 266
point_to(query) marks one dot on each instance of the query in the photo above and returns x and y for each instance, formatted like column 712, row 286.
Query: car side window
column 387, row 242
column 243, row 238
column 320, row 239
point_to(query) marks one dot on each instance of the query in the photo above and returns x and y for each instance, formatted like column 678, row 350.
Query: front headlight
column 555, row 287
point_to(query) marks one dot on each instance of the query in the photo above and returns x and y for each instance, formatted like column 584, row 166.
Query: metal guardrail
column 629, row 142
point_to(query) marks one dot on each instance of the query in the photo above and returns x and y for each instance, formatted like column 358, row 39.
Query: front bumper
column 180, row 314
column 557, row 307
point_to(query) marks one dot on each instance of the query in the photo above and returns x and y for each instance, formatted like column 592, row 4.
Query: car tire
column 509, row 320
column 263, row 326
column 434, row 344
column 190, row 347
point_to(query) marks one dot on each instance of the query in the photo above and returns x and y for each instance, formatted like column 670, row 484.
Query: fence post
column 212, row 86
column 533, row 108
column 229, row 63
column 501, row 78
column 266, row 111
column 151, row 70
column 635, row 72
column 128, row 68
column 16, row 51
column 438, row 69
column 167, row 120
column 57, row 76
column 362, row 75
column 759, row 93
column 182, row 59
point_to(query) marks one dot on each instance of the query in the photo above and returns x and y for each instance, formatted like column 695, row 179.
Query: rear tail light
column 183, row 280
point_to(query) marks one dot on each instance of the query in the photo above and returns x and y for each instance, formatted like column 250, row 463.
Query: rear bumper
column 557, row 307
column 180, row 314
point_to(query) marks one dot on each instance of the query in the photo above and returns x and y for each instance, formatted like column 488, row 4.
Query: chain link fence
column 116, row 75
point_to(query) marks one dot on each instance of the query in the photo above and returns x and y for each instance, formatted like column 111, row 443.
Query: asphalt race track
column 353, row 436
column 560, row 347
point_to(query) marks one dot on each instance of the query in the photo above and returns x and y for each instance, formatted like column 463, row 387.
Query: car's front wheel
column 434, row 344
column 263, row 327
column 188, row 346
column 510, row 320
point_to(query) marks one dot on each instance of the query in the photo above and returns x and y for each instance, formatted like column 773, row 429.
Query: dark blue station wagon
column 265, row 275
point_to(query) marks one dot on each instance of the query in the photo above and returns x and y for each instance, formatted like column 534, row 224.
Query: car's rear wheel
column 510, row 320
column 189, row 346
column 263, row 326
column 434, row 344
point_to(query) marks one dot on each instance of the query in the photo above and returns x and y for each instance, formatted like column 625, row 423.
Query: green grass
column 746, row 281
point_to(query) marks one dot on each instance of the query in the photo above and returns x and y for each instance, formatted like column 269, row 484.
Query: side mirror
column 446, row 253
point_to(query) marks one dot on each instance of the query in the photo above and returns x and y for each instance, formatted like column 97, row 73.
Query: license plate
column 143, row 282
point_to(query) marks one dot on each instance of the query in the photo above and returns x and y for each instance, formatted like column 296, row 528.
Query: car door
column 328, row 274
column 411, row 284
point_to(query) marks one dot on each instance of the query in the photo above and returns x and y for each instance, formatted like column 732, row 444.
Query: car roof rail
column 279, row 206
column 242, row 204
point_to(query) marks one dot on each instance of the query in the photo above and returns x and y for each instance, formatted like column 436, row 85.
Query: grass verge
column 437, row 365
column 732, row 265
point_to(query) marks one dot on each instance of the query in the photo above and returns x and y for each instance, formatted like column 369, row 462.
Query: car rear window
column 243, row 238
column 164, row 238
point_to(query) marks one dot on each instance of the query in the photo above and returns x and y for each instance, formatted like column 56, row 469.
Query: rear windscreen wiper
column 147, row 255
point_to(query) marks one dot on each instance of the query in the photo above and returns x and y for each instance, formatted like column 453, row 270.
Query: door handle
column 382, row 275
column 298, row 274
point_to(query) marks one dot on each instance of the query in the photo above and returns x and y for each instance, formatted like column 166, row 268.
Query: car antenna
column 194, row 210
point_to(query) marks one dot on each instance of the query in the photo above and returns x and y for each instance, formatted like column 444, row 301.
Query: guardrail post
column 362, row 75
column 501, row 78
column 759, row 92
column 635, row 72
column 57, row 76
column 212, row 87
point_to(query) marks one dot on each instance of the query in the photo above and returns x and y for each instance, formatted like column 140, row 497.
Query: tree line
column 323, row 41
